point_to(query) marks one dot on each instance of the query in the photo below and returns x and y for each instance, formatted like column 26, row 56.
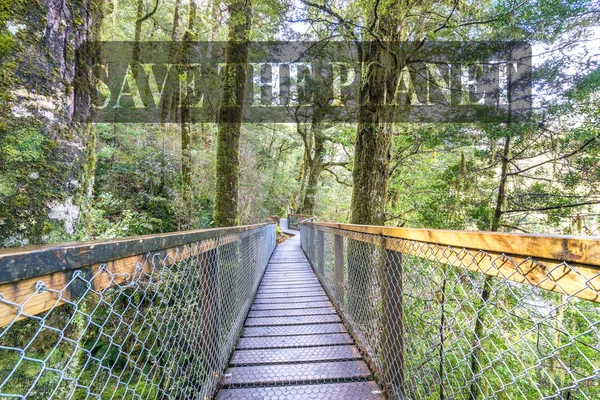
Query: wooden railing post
column 320, row 252
column 392, row 342
column 338, row 267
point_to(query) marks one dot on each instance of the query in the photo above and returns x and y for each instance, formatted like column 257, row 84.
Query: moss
column 8, row 185
column 28, row 173
column 9, row 10
column 34, row 168
column 6, row 44
column 84, row 227
column 24, row 145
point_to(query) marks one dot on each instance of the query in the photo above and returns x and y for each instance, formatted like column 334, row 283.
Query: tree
column 314, row 162
column 48, row 157
column 374, row 130
column 230, row 113
column 184, row 118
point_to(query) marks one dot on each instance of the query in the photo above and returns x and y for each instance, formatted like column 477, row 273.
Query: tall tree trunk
column 137, row 32
column 230, row 113
column 167, row 101
column 302, row 177
column 374, row 130
column 371, row 173
column 314, row 143
column 184, row 119
column 315, row 167
column 47, row 161
column 214, row 32
column 304, row 170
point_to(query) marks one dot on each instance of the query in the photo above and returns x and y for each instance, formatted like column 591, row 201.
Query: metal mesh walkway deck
column 294, row 345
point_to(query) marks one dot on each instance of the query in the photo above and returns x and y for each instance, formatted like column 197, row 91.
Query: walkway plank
column 297, row 312
column 288, row 279
column 290, row 374
column 290, row 306
column 302, row 320
column 331, row 391
column 293, row 341
column 293, row 344
column 288, row 300
column 262, row 296
column 299, row 289
column 292, row 330
column 279, row 285
column 295, row 355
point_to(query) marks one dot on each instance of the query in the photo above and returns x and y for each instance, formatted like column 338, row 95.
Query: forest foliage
column 61, row 180
column 440, row 175
column 436, row 175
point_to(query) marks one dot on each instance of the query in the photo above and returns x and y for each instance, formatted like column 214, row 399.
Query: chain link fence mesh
column 435, row 325
column 294, row 220
column 166, row 331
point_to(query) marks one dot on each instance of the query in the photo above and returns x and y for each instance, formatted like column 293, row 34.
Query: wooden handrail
column 108, row 262
column 574, row 249
column 28, row 262
column 564, row 264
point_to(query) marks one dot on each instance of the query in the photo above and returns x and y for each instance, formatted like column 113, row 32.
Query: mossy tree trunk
column 314, row 140
column 371, row 173
column 373, row 138
column 302, row 178
column 230, row 113
column 315, row 165
column 372, row 157
column 374, row 129
column 47, row 159
column 186, row 125
column 168, row 102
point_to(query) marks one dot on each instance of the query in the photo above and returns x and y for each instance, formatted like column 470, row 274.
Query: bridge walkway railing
column 148, row 317
column 466, row 315
column 439, row 314
column 295, row 219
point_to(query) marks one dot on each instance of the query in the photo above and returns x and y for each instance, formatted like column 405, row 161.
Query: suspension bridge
column 335, row 312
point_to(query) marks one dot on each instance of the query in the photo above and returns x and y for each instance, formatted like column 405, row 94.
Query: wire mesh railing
column 152, row 317
column 466, row 315
column 295, row 219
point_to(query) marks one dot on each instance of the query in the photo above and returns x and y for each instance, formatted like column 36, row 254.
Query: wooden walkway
column 293, row 344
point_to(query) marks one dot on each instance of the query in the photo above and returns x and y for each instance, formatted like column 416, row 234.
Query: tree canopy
column 159, row 177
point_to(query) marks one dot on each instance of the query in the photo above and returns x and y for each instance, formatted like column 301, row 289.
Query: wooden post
column 392, row 335
column 338, row 268
column 320, row 252
column 209, row 337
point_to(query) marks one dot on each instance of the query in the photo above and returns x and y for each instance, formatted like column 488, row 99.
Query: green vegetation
column 64, row 180
column 534, row 343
